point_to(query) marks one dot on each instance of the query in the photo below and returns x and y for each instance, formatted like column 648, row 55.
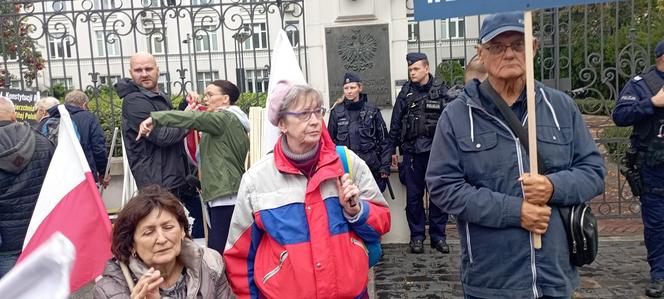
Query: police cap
column 659, row 50
column 415, row 57
column 350, row 78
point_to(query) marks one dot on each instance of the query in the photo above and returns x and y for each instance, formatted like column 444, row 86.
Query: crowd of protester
column 298, row 223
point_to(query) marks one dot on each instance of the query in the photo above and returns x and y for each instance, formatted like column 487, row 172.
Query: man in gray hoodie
column 24, row 159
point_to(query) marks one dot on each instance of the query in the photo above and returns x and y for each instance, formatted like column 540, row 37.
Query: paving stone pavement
column 620, row 271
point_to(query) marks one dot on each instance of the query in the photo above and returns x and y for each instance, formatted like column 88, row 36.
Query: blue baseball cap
column 659, row 50
column 495, row 24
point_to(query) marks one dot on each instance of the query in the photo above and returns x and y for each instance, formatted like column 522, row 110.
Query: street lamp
column 188, row 41
column 240, row 37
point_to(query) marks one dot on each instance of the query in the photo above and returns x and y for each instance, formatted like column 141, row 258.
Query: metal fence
column 86, row 44
column 588, row 51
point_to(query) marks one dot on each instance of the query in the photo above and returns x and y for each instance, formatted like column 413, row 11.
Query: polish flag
column 70, row 203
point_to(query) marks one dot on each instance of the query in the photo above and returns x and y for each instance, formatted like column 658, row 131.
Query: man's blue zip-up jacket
column 474, row 177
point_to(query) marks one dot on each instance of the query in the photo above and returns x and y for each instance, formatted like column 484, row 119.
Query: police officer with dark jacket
column 641, row 105
column 358, row 124
column 416, row 111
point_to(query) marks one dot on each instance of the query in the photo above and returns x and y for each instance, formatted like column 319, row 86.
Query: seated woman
column 151, row 237
column 300, row 224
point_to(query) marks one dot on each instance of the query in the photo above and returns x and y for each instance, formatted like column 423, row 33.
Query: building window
column 156, row 42
column 109, row 80
column 110, row 47
column 413, row 31
column 105, row 4
column 56, row 6
column 67, row 82
column 151, row 3
column 258, row 40
column 206, row 39
column 163, row 83
column 204, row 79
column 12, row 56
column 293, row 31
column 453, row 28
column 15, row 84
column 59, row 47
column 202, row 2
column 257, row 80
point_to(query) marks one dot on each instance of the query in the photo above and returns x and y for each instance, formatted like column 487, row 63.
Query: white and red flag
column 70, row 203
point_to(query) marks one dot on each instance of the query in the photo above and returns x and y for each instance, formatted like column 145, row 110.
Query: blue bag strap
column 374, row 249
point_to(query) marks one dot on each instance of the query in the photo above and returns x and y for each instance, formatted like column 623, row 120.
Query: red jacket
column 289, row 237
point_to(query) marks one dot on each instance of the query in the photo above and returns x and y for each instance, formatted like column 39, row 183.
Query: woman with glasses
column 358, row 125
column 300, row 225
column 223, row 148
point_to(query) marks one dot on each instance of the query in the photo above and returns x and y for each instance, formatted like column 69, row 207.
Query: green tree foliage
column 248, row 100
column 450, row 71
column 601, row 46
column 16, row 43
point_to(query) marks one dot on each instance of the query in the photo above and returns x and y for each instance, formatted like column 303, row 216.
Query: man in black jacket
column 158, row 158
column 90, row 133
column 24, row 160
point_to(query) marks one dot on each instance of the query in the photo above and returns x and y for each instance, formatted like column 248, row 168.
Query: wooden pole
column 530, row 92
column 200, row 178
column 108, row 165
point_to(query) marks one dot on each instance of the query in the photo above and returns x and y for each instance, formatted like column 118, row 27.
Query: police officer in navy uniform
column 358, row 124
column 641, row 105
column 416, row 111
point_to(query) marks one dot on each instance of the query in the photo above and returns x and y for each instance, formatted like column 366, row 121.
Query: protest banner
column 443, row 9
column 24, row 102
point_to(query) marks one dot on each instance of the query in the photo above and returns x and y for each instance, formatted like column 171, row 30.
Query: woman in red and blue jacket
column 300, row 224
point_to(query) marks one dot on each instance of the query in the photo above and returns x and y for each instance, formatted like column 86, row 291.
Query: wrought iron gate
column 588, row 51
column 86, row 44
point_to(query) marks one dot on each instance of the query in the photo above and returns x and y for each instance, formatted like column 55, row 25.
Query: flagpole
column 530, row 93
column 108, row 166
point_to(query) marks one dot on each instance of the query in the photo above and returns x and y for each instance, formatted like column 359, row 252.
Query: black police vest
column 365, row 138
column 423, row 111
column 648, row 136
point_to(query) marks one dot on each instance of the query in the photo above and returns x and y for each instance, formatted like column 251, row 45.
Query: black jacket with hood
column 91, row 137
column 24, row 159
column 158, row 158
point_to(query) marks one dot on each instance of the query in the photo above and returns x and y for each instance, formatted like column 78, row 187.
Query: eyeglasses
column 497, row 48
column 206, row 97
column 306, row 115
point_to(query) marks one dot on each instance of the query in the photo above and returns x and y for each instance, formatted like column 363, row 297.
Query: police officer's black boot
column 655, row 289
column 416, row 246
column 441, row 246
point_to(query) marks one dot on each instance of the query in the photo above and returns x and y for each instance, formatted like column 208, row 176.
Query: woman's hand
column 348, row 194
column 147, row 286
column 145, row 128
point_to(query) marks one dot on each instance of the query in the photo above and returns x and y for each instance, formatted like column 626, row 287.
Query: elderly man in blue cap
column 641, row 105
column 414, row 117
column 481, row 174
